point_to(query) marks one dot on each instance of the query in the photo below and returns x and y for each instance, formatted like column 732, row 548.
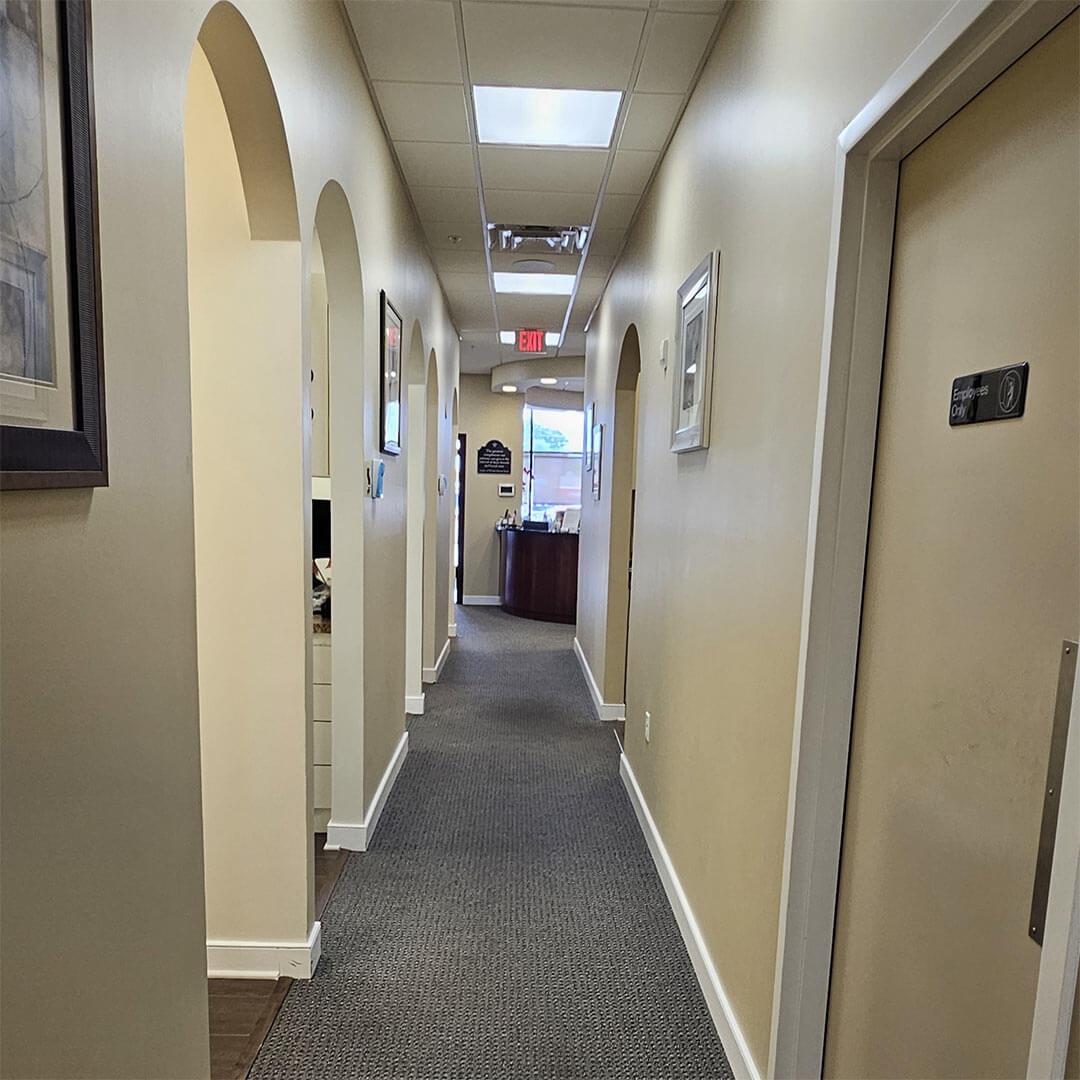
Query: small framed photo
column 598, row 459
column 52, row 377
column 390, row 377
column 589, row 411
column 691, row 392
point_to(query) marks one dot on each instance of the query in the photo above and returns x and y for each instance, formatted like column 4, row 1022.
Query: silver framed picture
column 691, row 391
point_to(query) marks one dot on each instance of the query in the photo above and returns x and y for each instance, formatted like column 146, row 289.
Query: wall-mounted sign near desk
column 493, row 457
column 989, row 395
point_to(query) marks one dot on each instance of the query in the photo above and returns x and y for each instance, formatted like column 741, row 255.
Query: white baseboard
column 431, row 674
column 414, row 704
column 357, row 837
column 723, row 1015
column 489, row 601
column 451, row 630
column 264, row 959
column 605, row 710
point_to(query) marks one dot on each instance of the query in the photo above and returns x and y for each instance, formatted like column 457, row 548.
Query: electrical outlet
column 648, row 720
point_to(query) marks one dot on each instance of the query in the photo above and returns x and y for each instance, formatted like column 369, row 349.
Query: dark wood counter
column 538, row 574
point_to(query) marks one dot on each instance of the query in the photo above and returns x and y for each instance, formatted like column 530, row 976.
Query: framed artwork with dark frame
column 691, row 392
column 389, row 377
column 52, row 379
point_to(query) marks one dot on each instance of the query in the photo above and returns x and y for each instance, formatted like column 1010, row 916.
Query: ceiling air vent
column 546, row 239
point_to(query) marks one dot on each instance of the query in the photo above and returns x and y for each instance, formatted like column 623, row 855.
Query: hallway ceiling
column 423, row 59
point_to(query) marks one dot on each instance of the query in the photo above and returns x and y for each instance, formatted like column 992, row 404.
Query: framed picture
column 587, row 456
column 598, row 458
column 390, row 377
column 52, row 386
column 691, row 392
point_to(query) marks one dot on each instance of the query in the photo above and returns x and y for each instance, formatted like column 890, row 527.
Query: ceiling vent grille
column 548, row 239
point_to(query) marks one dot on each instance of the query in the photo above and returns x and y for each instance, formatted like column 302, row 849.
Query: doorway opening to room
column 460, row 458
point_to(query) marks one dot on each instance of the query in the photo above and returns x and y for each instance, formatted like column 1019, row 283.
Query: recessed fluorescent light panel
column 507, row 337
column 534, row 284
column 521, row 116
column 552, row 341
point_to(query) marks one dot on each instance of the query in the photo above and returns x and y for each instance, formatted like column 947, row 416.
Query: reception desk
column 538, row 574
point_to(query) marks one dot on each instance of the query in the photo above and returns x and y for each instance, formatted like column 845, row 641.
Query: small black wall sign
column 989, row 395
column 493, row 457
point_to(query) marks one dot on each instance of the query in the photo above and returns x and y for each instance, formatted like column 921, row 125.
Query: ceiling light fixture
column 534, row 284
column 509, row 388
column 549, row 382
column 528, row 116
column 553, row 340
column 507, row 337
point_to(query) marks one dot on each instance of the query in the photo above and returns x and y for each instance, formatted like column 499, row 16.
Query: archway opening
column 416, row 424
column 434, row 558
column 250, row 453
column 623, row 499
column 337, row 382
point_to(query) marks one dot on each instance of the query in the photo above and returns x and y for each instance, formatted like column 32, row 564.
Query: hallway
column 507, row 921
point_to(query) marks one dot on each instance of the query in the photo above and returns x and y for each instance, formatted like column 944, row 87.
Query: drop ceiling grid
column 422, row 58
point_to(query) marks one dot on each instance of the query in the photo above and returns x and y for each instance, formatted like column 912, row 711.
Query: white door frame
column 972, row 44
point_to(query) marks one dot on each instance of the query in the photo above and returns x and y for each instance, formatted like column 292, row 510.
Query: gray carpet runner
column 507, row 921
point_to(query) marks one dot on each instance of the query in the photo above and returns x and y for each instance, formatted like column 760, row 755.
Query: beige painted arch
column 250, row 454
column 336, row 228
column 621, row 448
column 415, row 375
column 258, row 130
column 432, row 638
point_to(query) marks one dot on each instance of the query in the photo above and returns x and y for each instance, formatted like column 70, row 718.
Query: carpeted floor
column 508, row 921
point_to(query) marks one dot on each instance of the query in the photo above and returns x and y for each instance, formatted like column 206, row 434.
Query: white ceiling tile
column 588, row 293
column 433, row 164
column 578, row 47
column 597, row 265
column 538, row 207
column 408, row 40
column 616, row 211
column 456, row 261
column 561, row 264
column 631, row 172
column 479, row 352
column 472, row 234
column 605, row 243
column 649, row 121
column 706, row 7
column 463, row 284
column 445, row 203
column 423, row 112
column 536, row 312
column 472, row 311
column 673, row 52
column 542, row 170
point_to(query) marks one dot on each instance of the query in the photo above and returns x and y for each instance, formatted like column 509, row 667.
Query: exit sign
column 530, row 341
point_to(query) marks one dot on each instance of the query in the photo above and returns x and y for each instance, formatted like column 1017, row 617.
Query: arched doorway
column 416, row 422
column 339, row 746
column 623, row 498
column 252, row 506
column 436, row 559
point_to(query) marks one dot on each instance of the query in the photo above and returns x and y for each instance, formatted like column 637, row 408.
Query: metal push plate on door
column 1052, row 796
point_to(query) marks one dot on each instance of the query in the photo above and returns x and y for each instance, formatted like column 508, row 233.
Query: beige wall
column 750, row 171
column 105, row 976
column 484, row 415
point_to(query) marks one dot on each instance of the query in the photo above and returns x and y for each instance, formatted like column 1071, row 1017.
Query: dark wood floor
column 242, row 1010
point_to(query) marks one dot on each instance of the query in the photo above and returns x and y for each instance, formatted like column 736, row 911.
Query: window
column 551, row 478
